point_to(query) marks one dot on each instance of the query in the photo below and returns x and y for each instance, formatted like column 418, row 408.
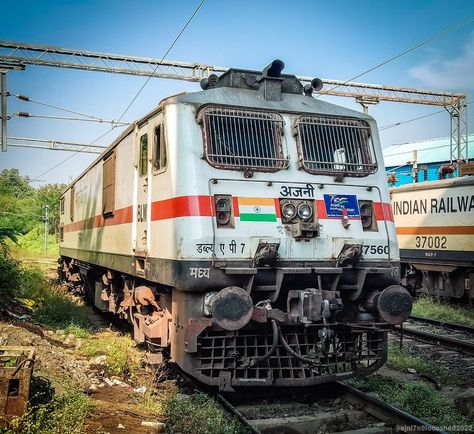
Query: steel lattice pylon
column 459, row 142
column 23, row 142
column 22, row 54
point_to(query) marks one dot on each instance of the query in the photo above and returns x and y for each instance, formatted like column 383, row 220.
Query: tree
column 14, row 184
column 50, row 195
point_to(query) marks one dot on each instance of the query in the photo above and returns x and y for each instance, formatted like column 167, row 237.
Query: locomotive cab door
column 142, row 195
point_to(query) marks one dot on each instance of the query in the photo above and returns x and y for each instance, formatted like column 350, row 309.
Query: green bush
column 64, row 414
column 56, row 310
column 33, row 242
column 10, row 277
column 51, row 305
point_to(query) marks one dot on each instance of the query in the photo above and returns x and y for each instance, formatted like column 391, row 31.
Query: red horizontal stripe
column 120, row 216
column 383, row 211
column 182, row 206
column 198, row 206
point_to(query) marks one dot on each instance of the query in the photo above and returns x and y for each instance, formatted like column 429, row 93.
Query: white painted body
column 187, row 174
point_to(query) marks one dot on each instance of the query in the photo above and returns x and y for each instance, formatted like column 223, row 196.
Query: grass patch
column 50, row 304
column 57, row 311
column 428, row 307
column 416, row 398
column 64, row 414
column 401, row 359
column 78, row 331
column 199, row 414
column 33, row 242
column 123, row 358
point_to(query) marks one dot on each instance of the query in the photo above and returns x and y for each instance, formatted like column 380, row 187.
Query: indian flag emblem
column 257, row 209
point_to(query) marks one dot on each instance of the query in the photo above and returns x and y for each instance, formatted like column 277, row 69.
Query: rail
column 465, row 346
column 374, row 408
column 444, row 324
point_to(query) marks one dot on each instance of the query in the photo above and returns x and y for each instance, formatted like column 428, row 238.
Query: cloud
column 456, row 74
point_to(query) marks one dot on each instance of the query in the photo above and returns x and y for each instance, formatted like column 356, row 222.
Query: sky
column 332, row 40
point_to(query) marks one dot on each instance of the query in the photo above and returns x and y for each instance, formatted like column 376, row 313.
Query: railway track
column 330, row 408
column 443, row 324
column 452, row 336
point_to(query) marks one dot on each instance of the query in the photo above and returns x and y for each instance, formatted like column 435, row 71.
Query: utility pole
column 3, row 80
column 46, row 221
column 4, row 68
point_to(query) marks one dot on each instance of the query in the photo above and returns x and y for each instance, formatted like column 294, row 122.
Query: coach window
column 159, row 149
column 143, row 164
column 108, row 185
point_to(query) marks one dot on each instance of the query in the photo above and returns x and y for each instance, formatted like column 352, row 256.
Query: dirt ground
column 119, row 405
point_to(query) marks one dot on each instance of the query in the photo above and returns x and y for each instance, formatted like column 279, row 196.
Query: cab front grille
column 220, row 351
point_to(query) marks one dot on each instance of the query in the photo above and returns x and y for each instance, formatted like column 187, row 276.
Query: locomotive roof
column 243, row 98
column 246, row 98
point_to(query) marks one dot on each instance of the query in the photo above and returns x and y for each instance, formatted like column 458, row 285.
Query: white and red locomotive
column 246, row 231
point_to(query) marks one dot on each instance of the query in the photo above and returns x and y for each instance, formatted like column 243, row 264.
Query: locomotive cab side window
column 108, row 185
column 335, row 146
column 143, row 163
column 159, row 157
column 243, row 139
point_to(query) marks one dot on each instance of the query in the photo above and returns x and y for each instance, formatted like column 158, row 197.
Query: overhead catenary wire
column 401, row 54
column 163, row 58
column 72, row 155
column 28, row 99
column 396, row 124
column 138, row 93
column 63, row 118
column 28, row 139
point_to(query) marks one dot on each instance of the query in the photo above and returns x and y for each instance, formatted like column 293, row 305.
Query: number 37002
column 431, row 242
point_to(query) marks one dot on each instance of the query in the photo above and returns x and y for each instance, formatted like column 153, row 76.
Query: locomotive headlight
column 305, row 212
column 288, row 211
column 223, row 211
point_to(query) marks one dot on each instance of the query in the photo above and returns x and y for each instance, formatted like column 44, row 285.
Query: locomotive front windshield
column 243, row 138
column 249, row 139
column 329, row 145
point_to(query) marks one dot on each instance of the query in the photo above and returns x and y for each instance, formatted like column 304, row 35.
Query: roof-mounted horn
column 315, row 85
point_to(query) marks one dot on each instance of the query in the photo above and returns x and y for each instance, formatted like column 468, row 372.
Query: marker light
column 366, row 215
column 223, row 211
